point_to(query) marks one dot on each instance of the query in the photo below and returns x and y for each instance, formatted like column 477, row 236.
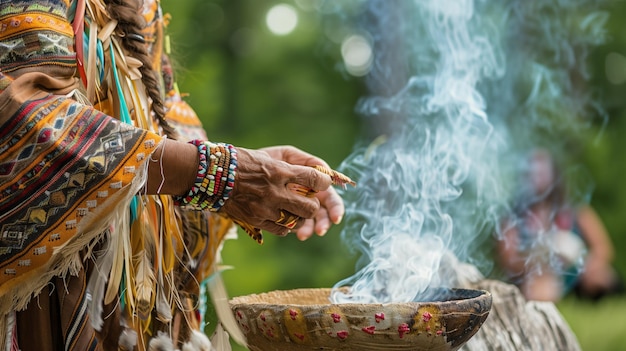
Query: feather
column 107, row 30
column 120, row 247
column 128, row 339
column 169, row 235
column 163, row 307
column 98, row 12
column 164, row 263
column 143, row 247
column 220, row 229
column 144, row 286
column 219, row 296
column 96, row 286
column 161, row 342
column 91, row 61
column 8, row 331
column 197, row 342
column 220, row 339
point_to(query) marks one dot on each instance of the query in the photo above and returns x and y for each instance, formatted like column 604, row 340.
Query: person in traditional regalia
column 113, row 204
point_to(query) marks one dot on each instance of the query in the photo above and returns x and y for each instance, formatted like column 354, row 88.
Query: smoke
column 453, row 101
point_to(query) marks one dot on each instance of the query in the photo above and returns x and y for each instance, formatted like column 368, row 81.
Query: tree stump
column 516, row 324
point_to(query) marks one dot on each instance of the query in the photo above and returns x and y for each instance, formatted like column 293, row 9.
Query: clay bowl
column 303, row 319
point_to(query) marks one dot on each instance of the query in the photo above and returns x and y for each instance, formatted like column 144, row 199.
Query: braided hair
column 130, row 25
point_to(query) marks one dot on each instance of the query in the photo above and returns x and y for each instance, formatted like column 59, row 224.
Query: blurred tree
column 604, row 155
column 253, row 89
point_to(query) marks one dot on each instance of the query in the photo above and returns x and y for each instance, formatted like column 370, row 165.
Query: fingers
column 277, row 191
column 294, row 156
column 332, row 202
column 306, row 231
column 308, row 213
column 299, row 205
column 331, row 211
column 319, row 226
column 310, row 178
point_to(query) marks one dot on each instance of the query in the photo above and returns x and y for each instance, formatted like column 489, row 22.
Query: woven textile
column 34, row 34
column 59, row 164
column 86, row 261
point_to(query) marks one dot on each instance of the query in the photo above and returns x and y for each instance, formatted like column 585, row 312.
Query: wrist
column 215, row 177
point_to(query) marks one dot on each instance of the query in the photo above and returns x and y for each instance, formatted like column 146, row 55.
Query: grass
column 599, row 326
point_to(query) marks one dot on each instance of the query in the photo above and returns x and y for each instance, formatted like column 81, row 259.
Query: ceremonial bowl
column 304, row 319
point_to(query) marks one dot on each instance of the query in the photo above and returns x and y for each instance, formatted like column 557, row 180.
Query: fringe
column 68, row 259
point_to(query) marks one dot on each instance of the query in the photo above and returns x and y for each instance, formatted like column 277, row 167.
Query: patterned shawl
column 117, row 266
column 67, row 175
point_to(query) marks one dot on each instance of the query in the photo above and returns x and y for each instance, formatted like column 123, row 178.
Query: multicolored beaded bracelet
column 215, row 178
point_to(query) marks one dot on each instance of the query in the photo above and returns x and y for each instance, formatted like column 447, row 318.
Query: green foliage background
column 254, row 89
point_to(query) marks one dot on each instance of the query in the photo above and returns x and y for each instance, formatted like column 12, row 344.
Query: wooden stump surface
column 515, row 324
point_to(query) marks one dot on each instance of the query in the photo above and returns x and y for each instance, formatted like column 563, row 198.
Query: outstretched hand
column 262, row 199
column 331, row 205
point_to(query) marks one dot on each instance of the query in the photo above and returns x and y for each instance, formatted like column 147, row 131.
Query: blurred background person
column 551, row 246
column 110, row 221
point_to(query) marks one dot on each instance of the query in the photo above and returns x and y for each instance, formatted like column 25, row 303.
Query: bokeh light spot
column 281, row 19
column 356, row 51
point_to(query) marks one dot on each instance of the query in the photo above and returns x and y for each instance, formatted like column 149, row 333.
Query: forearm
column 596, row 236
column 172, row 169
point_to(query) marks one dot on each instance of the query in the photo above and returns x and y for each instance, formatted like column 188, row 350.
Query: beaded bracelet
column 215, row 178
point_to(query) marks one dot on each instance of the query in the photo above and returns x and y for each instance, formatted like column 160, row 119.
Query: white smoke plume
column 444, row 90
